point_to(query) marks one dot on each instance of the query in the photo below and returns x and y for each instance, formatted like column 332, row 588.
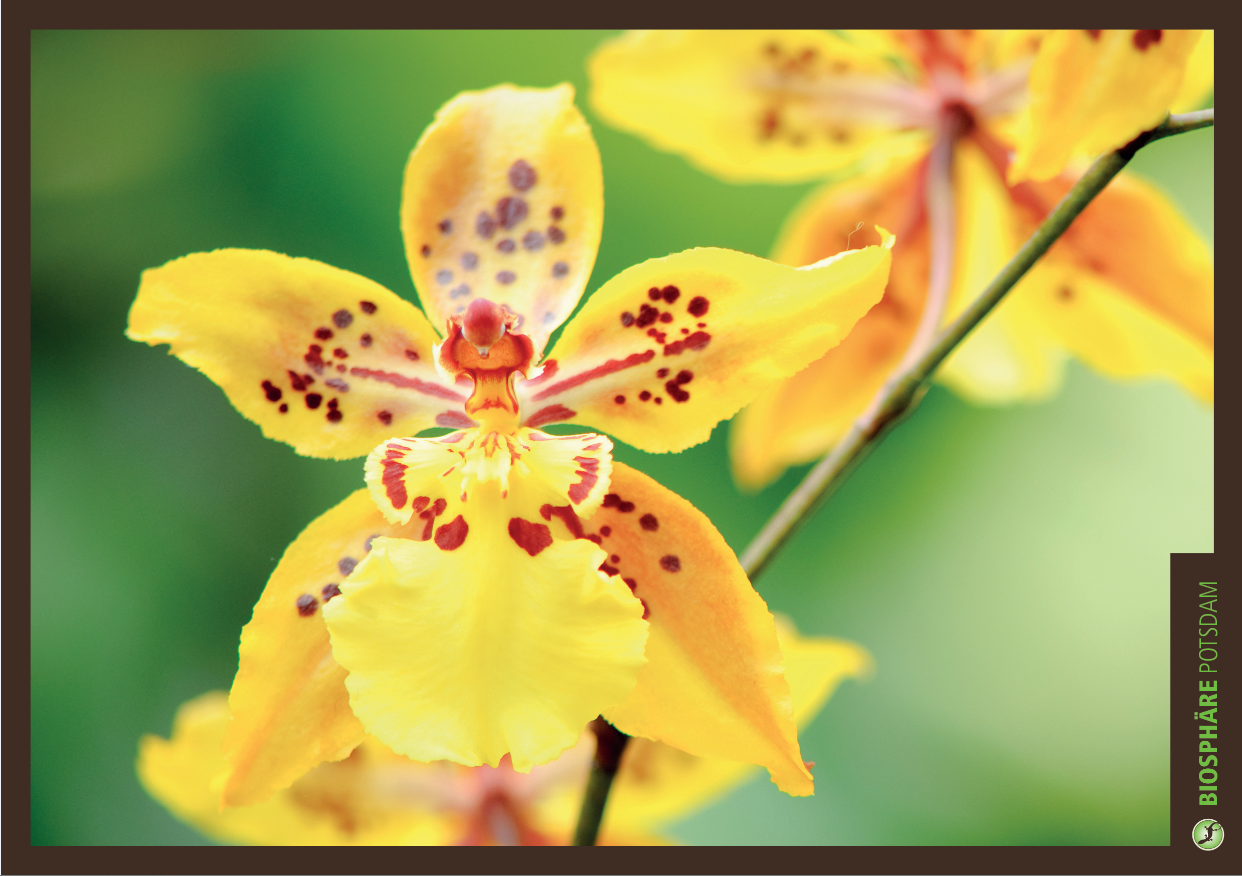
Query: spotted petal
column 714, row 683
column 371, row 798
column 750, row 106
column 290, row 706
column 492, row 636
column 504, row 199
column 1095, row 90
column 668, row 348
column 323, row 359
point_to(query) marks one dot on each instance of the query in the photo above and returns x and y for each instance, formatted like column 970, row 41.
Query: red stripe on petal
column 610, row 367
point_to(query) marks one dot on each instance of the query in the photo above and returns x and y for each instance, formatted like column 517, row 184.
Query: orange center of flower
column 481, row 343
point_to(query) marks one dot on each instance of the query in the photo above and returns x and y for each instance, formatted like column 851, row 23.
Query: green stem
column 902, row 393
column 609, row 745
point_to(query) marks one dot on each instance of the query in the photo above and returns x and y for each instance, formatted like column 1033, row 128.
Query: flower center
column 481, row 343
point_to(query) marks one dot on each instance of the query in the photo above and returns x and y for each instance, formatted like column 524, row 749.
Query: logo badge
column 1208, row 834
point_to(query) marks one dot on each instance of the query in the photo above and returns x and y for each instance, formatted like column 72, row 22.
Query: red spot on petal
column 450, row 536
column 550, row 414
column 659, row 400
column 367, row 307
column 619, row 399
column 670, row 563
column 612, row 500
column 335, row 416
column 420, row 503
column 1094, row 34
column 412, row 355
column 614, row 559
column 323, row 333
column 284, row 409
column 306, row 605
column 1145, row 38
column 647, row 314
column 644, row 396
column 662, row 373
column 296, row 381
column 385, row 417
column 653, row 293
column 684, row 376
column 313, row 400
column 605, row 531
column 609, row 570
column 627, row 319
column 649, row 522
column 588, row 478
column 698, row 306
column 675, row 392
column 666, row 317
column 567, row 515
column 394, row 483
column 340, row 353
column 530, row 537
column 670, row 293
column 272, row 392
column 425, row 251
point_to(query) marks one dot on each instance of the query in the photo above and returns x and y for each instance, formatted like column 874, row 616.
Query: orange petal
column 504, row 199
column 667, row 349
column 714, row 682
column 323, row 359
column 802, row 418
column 289, row 703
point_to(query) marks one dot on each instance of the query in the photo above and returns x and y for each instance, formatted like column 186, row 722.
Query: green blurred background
column 1006, row 567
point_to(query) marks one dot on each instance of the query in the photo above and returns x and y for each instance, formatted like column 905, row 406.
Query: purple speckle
column 557, row 213
column 369, row 540
column 521, row 175
column 346, row 564
column 532, row 240
column 469, row 260
column 306, row 605
column 560, row 269
column 460, row 292
column 444, row 277
column 506, row 277
column 510, row 211
column 337, row 384
column 342, row 318
column 445, row 226
column 506, row 245
column 329, row 591
column 484, row 226
column 555, row 234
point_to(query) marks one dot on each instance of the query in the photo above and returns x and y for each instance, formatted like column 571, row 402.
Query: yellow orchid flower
column 494, row 589
column 1128, row 289
column 377, row 797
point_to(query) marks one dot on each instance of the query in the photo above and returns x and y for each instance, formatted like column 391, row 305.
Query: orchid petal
column 713, row 684
column 802, row 418
column 368, row 799
column 504, row 200
column 320, row 358
column 668, row 348
column 290, row 706
column 770, row 106
column 1092, row 91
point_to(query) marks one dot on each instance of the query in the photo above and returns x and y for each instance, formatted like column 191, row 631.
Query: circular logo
column 1208, row 834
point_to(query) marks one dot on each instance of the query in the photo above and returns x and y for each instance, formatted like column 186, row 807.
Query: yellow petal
column 290, row 707
column 1092, row 91
column 354, row 802
column 491, row 637
column 802, row 418
column 1200, row 75
column 668, row 348
column 713, row 684
column 323, row 359
column 758, row 106
column 1002, row 360
column 504, row 199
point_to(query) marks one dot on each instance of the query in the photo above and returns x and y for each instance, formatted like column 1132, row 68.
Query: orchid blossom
column 377, row 797
column 494, row 589
column 959, row 141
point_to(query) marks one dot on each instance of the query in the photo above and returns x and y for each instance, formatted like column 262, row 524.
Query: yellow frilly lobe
column 483, row 634
column 1095, row 90
column 668, row 348
column 371, row 798
column 757, row 106
column 504, row 200
column 801, row 418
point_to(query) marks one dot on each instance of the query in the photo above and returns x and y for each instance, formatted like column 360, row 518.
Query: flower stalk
column 609, row 745
column 902, row 393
